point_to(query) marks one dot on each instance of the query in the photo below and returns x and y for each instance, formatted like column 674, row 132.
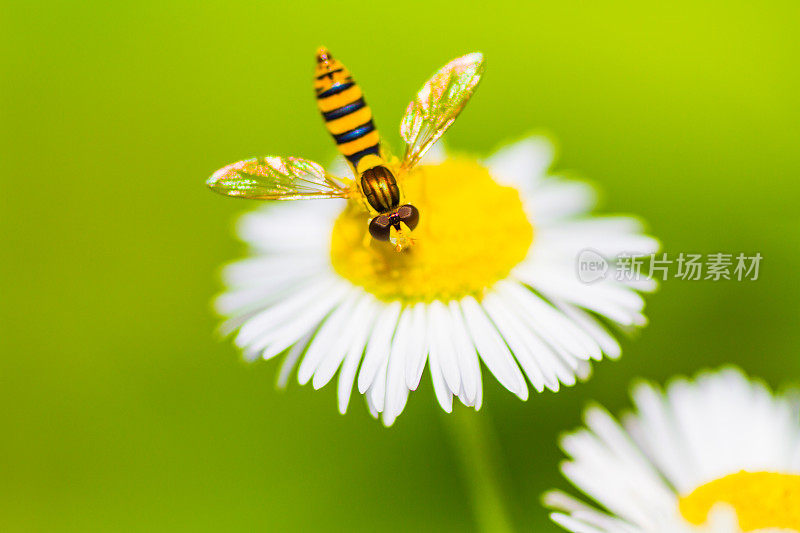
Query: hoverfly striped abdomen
column 349, row 120
column 347, row 116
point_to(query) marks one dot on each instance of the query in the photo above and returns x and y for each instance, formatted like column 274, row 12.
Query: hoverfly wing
column 277, row 178
column 437, row 105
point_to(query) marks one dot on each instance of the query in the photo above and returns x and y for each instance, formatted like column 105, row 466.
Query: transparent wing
column 437, row 105
column 277, row 178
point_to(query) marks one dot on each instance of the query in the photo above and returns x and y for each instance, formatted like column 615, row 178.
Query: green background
column 122, row 411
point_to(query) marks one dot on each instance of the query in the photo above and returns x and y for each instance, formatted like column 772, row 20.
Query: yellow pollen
column 761, row 499
column 472, row 232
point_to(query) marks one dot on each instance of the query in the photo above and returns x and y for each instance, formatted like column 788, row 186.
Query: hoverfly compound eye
column 380, row 228
column 408, row 214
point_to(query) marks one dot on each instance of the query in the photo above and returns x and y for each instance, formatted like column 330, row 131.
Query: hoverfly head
column 395, row 226
column 408, row 214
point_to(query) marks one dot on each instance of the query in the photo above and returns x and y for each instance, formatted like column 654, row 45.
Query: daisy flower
column 720, row 453
column 491, row 278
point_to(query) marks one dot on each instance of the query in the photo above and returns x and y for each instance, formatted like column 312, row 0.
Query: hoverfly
column 377, row 178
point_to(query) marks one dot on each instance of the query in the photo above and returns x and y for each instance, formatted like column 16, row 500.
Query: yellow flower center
column 472, row 232
column 761, row 499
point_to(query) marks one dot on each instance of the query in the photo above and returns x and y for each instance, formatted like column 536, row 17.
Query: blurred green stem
column 474, row 444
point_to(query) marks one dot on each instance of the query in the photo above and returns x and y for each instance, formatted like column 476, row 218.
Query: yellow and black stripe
column 347, row 116
column 380, row 189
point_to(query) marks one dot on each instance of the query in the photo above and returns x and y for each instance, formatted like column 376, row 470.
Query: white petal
column 435, row 155
column 351, row 325
column 603, row 300
column 441, row 337
column 340, row 167
column 290, row 360
column 492, row 350
column 520, row 341
column 353, row 357
column 372, row 409
column 288, row 229
column 266, row 319
column 443, row 394
column 556, row 199
column 256, row 298
column 324, row 342
column 609, row 236
column 479, row 395
column 466, row 354
column 551, row 325
column 388, row 419
column 377, row 390
column 378, row 345
column 418, row 347
column 272, row 270
column 305, row 321
column 286, row 332
column 577, row 526
column 396, row 391
column 590, row 325
column 521, row 164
